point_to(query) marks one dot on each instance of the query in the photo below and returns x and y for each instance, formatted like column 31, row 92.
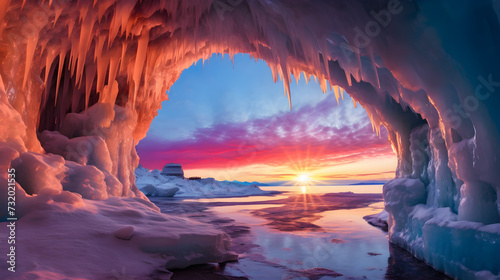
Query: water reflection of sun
column 304, row 189
column 303, row 179
column 308, row 202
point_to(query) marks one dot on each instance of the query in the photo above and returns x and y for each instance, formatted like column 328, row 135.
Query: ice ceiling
column 83, row 79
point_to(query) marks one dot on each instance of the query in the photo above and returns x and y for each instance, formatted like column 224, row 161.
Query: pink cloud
column 299, row 138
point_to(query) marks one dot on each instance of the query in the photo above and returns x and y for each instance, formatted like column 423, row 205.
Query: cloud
column 313, row 136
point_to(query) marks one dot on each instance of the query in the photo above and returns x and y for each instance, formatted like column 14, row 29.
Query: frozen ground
column 60, row 235
column 152, row 183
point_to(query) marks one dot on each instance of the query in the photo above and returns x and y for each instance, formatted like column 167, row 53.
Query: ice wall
column 83, row 79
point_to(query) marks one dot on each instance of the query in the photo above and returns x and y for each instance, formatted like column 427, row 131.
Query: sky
column 228, row 120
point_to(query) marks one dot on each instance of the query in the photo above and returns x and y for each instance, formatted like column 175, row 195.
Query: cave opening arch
column 108, row 72
column 234, row 111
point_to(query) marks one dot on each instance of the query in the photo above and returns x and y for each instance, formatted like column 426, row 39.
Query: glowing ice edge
column 81, row 80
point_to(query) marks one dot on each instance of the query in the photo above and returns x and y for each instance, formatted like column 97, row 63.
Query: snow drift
column 154, row 183
column 81, row 80
column 61, row 235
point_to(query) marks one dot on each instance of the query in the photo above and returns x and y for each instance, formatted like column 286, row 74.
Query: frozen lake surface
column 319, row 234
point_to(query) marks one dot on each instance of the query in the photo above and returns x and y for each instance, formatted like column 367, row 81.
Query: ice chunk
column 161, row 190
column 378, row 220
column 154, row 183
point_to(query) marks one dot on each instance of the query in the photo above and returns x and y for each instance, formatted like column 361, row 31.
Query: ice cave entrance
column 77, row 72
column 226, row 118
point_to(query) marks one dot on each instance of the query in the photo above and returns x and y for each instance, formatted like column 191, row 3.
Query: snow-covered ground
column 152, row 183
column 60, row 235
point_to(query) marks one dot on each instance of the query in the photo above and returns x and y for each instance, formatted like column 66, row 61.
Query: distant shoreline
column 367, row 183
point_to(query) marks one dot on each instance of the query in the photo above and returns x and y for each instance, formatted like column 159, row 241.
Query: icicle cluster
column 103, row 48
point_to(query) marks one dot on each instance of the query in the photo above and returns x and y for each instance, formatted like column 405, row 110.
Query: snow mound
column 64, row 236
column 153, row 183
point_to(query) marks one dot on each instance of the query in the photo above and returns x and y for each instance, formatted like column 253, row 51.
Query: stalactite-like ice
column 90, row 76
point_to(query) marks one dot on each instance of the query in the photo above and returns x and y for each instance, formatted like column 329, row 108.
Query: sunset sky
column 235, row 124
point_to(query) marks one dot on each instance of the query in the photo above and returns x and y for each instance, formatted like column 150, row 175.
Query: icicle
column 71, row 25
column 59, row 74
column 283, row 70
column 341, row 92
column 113, row 93
column 327, row 69
column 57, row 14
column 83, row 48
column 323, row 85
column 286, row 87
column 2, row 86
column 348, row 77
column 83, row 10
column 142, row 48
column 102, row 67
column 354, row 100
column 370, row 53
column 4, row 6
column 360, row 67
column 296, row 75
column 113, row 68
column 90, row 71
column 274, row 71
column 99, row 45
column 73, row 58
column 124, row 52
column 337, row 95
column 48, row 63
column 110, row 92
column 49, row 77
column 113, row 28
column 30, row 51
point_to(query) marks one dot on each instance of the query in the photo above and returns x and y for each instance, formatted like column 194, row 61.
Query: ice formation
column 62, row 236
column 81, row 80
column 156, row 183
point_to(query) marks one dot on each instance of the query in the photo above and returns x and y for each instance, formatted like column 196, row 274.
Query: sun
column 303, row 178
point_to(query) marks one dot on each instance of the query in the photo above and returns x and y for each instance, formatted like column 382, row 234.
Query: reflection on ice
column 340, row 246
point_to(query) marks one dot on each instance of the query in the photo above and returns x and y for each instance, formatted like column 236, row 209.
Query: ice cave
column 81, row 81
